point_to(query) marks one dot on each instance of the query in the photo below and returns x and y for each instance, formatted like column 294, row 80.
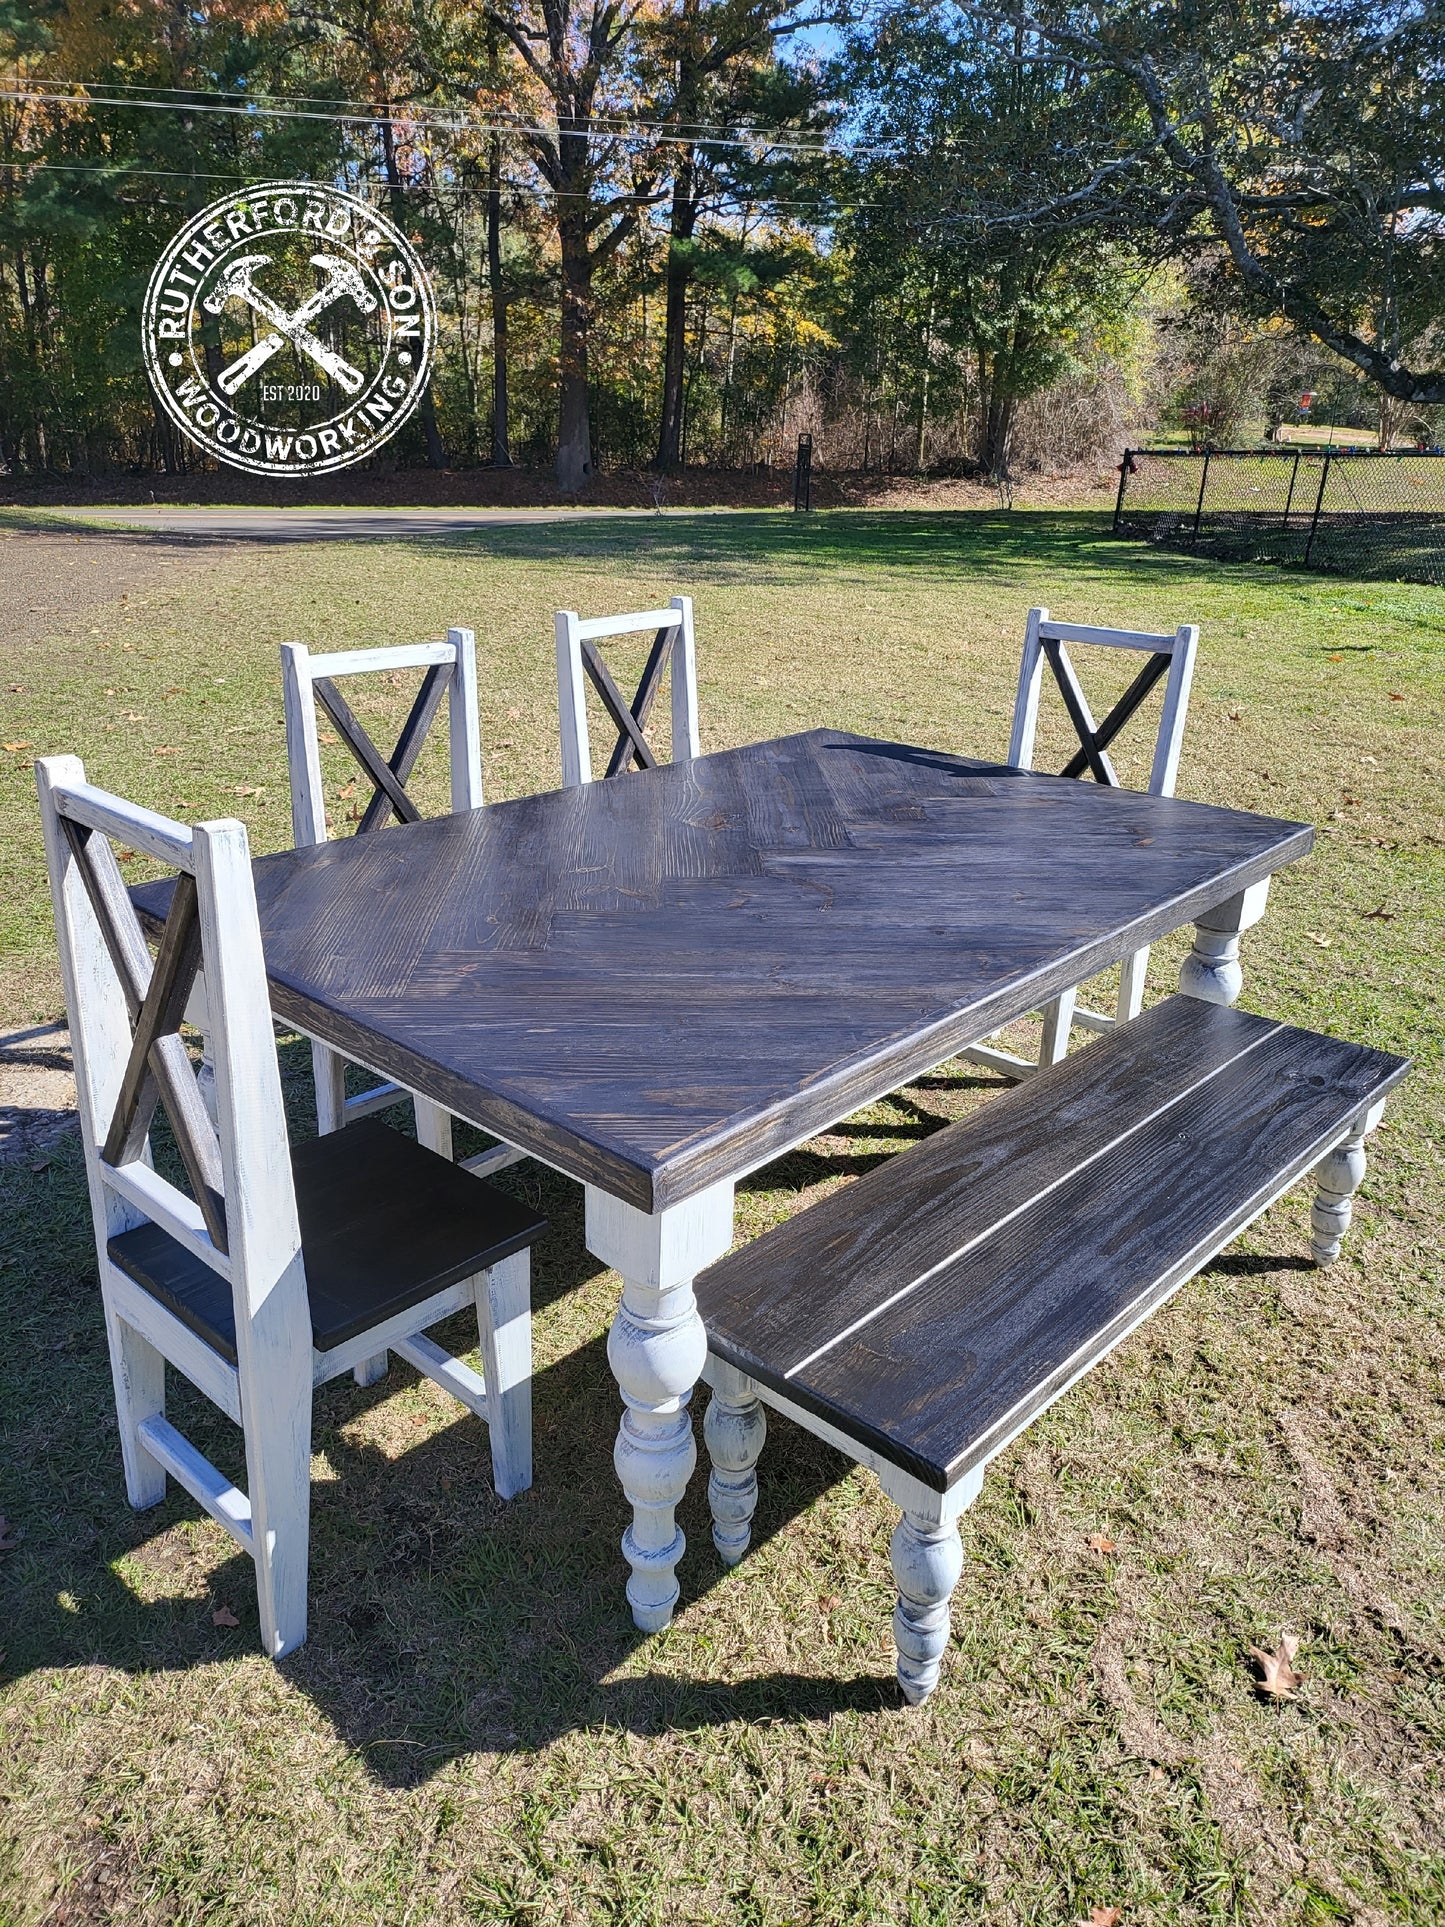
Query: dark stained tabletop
column 655, row 982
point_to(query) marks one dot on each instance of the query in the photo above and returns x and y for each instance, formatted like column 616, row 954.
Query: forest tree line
column 948, row 236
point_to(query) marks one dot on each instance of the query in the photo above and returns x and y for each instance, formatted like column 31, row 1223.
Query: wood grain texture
column 384, row 1225
column 656, row 984
column 930, row 1309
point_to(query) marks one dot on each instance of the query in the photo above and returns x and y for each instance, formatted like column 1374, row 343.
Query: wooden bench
column 922, row 1317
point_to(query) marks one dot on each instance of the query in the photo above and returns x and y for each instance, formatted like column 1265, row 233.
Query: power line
column 660, row 131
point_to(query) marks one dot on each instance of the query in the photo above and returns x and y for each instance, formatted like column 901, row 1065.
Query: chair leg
column 371, row 1371
column 278, row 1479
column 504, row 1321
column 139, row 1374
column 735, row 1428
column 927, row 1561
column 434, row 1127
column 1132, row 974
column 1058, row 1022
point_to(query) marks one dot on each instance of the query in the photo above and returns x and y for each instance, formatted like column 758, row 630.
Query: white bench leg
column 1339, row 1176
column 735, row 1429
column 1133, row 975
column 927, row 1561
column 504, row 1322
column 139, row 1374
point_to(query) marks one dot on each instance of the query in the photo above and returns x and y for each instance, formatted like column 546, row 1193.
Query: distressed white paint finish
column 504, row 1320
column 268, row 1391
column 273, row 1319
column 927, row 1563
column 1211, row 972
column 1339, row 1176
column 1181, row 647
column 226, row 1503
column 573, row 630
column 657, row 1348
column 736, row 1430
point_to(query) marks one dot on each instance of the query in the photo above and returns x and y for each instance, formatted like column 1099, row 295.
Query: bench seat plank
column 931, row 1309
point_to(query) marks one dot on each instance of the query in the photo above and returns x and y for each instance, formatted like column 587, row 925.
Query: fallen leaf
column 125, row 856
column 223, row 1616
column 1278, row 1678
column 327, row 736
column 348, row 790
column 7, row 1542
column 14, row 746
column 166, row 750
column 1104, row 1917
column 1323, row 942
column 514, row 715
column 39, row 1164
column 1235, row 717
column 1100, row 1542
column 828, row 1603
column 1396, row 697
column 506, row 743
column 1378, row 914
column 250, row 789
column 1336, row 656
column 1371, row 761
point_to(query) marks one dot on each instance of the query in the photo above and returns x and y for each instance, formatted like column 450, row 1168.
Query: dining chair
column 579, row 661
column 308, row 681
column 1168, row 659
column 278, row 1268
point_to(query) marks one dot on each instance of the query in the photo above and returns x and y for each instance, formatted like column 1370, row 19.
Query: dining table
column 660, row 982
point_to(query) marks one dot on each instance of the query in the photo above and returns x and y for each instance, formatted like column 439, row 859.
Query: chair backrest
column 451, row 672
column 580, row 661
column 125, row 1013
column 1170, row 657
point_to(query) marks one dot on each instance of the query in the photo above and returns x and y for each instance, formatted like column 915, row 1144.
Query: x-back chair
column 579, row 661
column 307, row 680
column 281, row 1269
column 1169, row 659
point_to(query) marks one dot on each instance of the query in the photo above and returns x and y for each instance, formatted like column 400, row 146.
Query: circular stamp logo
column 288, row 329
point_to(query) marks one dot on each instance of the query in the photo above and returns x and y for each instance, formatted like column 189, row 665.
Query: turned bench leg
column 735, row 1429
column 1339, row 1176
column 927, row 1557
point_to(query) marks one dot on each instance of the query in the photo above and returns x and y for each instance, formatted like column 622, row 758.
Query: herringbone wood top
column 657, row 982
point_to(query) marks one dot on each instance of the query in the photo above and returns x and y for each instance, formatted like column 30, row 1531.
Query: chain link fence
column 1362, row 514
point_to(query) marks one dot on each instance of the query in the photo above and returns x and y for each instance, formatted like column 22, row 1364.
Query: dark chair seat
column 930, row 1310
column 385, row 1224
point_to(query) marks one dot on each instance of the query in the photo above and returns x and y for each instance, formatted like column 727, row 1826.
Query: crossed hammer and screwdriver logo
column 236, row 282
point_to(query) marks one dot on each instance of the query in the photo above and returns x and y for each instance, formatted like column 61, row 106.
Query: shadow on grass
column 442, row 1622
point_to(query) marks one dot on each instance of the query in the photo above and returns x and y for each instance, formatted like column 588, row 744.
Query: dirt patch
column 37, row 1091
column 48, row 580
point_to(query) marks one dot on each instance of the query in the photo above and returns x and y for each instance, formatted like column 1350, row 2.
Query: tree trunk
column 679, row 273
column 436, row 453
column 574, row 422
column 501, row 429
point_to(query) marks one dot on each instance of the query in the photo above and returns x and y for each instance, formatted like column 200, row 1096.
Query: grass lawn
column 475, row 1732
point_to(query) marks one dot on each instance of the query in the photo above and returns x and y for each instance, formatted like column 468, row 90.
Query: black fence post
column 1319, row 504
column 1199, row 505
column 1126, row 469
column 803, row 475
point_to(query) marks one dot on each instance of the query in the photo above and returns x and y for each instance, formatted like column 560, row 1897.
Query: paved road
column 322, row 525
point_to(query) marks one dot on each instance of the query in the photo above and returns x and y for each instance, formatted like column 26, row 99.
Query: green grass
column 474, row 1732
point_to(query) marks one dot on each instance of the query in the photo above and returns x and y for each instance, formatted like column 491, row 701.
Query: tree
column 948, row 120
column 1304, row 137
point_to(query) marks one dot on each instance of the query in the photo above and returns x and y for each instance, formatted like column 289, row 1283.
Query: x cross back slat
column 631, row 718
column 387, row 775
column 1094, row 738
column 158, row 1070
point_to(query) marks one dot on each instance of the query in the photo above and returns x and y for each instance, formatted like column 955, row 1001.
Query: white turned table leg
column 735, row 1429
column 1211, row 971
column 1339, row 1176
column 657, row 1348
